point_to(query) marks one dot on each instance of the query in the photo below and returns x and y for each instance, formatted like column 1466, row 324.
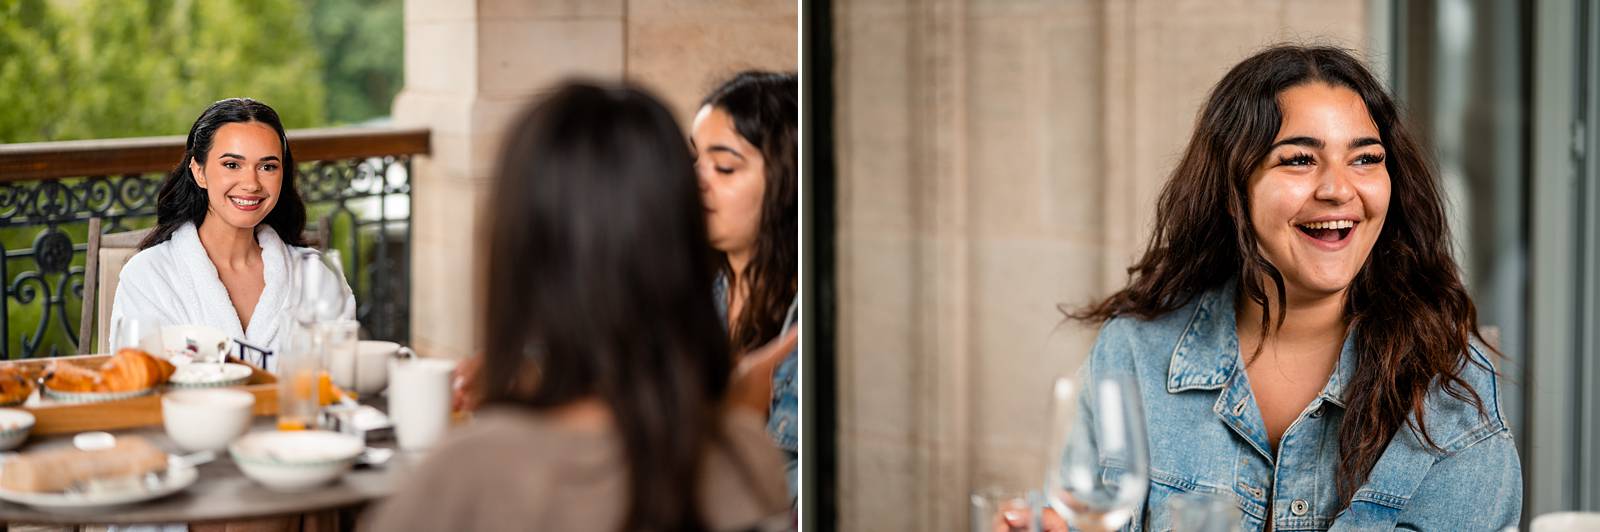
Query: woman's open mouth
column 246, row 204
column 1331, row 235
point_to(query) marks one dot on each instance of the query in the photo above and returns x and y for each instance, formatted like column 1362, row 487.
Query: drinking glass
column 317, row 294
column 138, row 332
column 340, row 339
column 1099, row 468
column 316, row 298
column 995, row 509
column 299, row 368
column 1198, row 512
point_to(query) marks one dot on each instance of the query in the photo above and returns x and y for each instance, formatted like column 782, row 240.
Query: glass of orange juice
column 299, row 369
column 340, row 339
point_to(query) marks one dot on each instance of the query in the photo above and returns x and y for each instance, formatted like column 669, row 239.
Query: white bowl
column 366, row 374
column 206, row 419
column 14, row 427
column 293, row 460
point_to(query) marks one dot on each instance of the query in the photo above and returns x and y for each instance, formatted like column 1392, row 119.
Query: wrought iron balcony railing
column 357, row 180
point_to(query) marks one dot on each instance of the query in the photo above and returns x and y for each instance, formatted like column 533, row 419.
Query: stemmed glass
column 1099, row 466
column 316, row 298
column 317, row 292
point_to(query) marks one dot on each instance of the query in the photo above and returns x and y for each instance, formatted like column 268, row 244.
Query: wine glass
column 317, row 299
column 1099, row 468
column 317, row 291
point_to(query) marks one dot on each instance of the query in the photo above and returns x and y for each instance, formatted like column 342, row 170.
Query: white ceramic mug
column 365, row 369
column 419, row 400
column 1565, row 522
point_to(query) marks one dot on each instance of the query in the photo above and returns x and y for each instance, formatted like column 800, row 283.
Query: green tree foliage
column 33, row 62
column 363, row 49
column 79, row 69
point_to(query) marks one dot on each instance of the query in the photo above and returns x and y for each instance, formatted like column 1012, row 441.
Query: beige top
column 518, row 470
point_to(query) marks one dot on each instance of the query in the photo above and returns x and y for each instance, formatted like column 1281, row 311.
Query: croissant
column 67, row 377
column 128, row 370
column 132, row 369
column 15, row 386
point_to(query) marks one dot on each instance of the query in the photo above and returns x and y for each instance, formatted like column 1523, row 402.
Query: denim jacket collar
column 1207, row 354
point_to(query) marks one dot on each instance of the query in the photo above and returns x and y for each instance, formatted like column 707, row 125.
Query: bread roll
column 58, row 469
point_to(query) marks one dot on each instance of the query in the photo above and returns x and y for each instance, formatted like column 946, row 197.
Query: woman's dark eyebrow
column 719, row 147
column 241, row 157
column 1317, row 144
column 1308, row 142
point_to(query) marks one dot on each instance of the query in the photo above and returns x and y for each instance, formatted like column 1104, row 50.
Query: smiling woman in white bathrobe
column 229, row 222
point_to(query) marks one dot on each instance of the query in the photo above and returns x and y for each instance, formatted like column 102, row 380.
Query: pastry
column 128, row 370
column 15, row 386
column 131, row 370
column 59, row 469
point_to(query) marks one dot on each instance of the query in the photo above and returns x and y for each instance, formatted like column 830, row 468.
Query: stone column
column 469, row 67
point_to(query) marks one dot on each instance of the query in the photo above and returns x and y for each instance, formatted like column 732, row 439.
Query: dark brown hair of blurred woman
column 597, row 288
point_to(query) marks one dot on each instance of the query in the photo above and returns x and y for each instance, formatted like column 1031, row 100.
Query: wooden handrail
column 78, row 158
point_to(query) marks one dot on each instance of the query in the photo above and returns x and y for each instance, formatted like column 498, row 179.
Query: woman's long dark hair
column 596, row 286
column 1412, row 317
column 766, row 112
column 182, row 200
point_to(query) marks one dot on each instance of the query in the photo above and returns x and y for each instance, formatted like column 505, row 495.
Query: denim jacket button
column 1317, row 412
column 1299, row 507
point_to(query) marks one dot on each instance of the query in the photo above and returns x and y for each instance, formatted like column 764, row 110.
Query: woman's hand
column 465, row 391
column 751, row 387
column 1015, row 516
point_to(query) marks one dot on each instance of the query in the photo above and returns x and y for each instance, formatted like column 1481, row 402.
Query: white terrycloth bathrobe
column 175, row 283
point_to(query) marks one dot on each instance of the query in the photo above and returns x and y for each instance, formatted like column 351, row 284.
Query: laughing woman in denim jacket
column 1297, row 326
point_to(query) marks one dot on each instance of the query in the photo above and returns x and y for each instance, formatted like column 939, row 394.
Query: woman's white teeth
column 1334, row 224
column 245, row 202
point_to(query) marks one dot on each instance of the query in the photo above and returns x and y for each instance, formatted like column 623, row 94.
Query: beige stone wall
column 997, row 158
column 682, row 49
column 470, row 66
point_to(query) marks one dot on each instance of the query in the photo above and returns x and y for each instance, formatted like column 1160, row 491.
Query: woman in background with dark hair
column 228, row 222
column 1298, row 330
column 746, row 154
column 605, row 370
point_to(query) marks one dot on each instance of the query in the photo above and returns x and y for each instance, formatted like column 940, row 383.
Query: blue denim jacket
column 1206, row 435
column 783, row 415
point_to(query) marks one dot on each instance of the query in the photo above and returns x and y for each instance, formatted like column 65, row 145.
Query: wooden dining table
column 222, row 492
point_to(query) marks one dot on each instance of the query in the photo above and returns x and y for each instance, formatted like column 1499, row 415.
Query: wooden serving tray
column 55, row 417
